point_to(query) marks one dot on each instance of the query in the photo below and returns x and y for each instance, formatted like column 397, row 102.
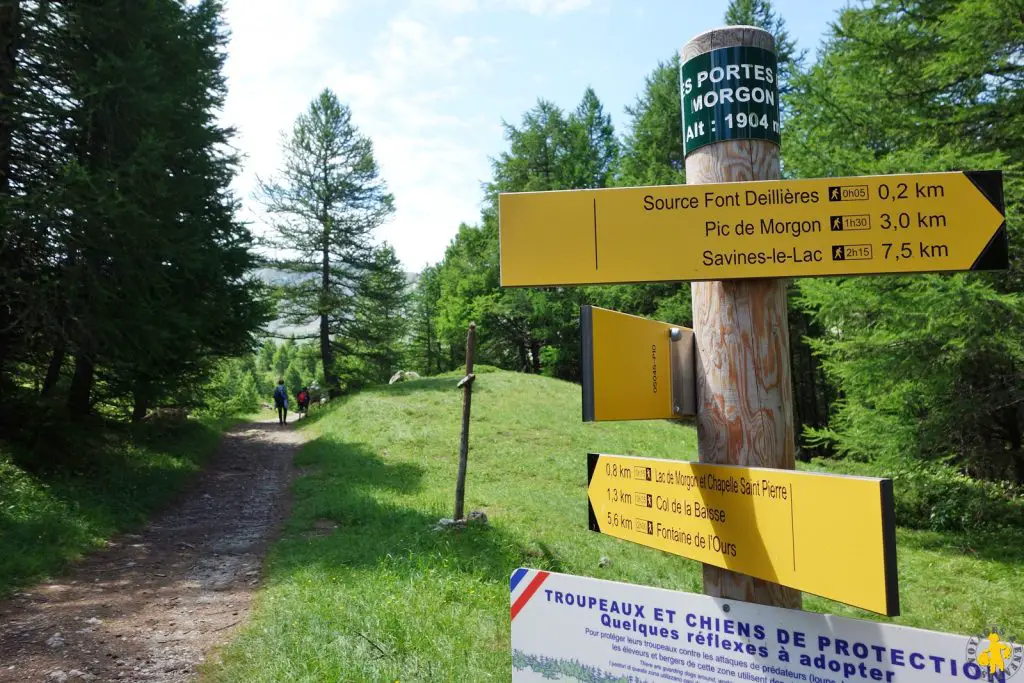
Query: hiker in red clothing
column 303, row 400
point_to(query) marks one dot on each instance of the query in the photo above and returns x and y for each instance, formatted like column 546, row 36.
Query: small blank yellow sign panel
column 829, row 535
column 912, row 223
column 627, row 371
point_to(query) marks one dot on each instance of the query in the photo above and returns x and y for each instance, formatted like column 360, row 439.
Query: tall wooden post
column 467, row 399
column 744, row 388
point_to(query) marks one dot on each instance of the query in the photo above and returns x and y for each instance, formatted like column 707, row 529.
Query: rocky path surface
column 150, row 606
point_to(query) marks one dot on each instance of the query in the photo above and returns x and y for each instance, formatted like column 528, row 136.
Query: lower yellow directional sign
column 830, row 535
column 634, row 368
column 925, row 222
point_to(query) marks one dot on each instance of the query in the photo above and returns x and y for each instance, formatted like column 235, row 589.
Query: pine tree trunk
column 81, row 385
column 430, row 349
column 10, row 13
column 326, row 354
column 141, row 397
column 54, row 367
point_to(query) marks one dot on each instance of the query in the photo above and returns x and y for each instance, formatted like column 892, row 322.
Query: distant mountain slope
column 277, row 277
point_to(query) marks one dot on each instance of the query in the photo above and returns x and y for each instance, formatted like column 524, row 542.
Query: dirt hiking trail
column 151, row 606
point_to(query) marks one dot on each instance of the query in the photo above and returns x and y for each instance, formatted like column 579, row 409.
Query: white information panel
column 572, row 628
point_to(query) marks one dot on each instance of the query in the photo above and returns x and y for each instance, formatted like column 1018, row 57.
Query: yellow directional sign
column 830, row 535
column 634, row 368
column 925, row 222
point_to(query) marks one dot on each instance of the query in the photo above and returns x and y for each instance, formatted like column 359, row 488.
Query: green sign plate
column 731, row 93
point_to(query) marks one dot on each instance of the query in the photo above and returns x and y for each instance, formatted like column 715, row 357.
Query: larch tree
column 325, row 205
column 760, row 13
column 425, row 351
column 929, row 367
column 381, row 319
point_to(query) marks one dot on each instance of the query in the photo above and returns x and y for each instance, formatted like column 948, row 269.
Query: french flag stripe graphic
column 517, row 576
column 527, row 581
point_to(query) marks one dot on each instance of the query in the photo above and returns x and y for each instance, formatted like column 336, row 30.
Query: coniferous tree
column 154, row 277
column 760, row 13
column 381, row 322
column 33, row 149
column 929, row 366
column 652, row 151
column 533, row 330
column 594, row 148
column 425, row 352
column 325, row 205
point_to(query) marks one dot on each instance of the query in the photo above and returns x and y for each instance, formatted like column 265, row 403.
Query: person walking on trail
column 303, row 400
column 281, row 401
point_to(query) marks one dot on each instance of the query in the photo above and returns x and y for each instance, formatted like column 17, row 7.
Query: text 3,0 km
column 904, row 220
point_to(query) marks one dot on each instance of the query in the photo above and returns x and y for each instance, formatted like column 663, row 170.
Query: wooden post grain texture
column 467, row 400
column 744, row 387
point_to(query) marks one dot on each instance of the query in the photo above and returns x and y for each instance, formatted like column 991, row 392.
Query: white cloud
column 429, row 155
column 454, row 6
column 404, row 91
column 272, row 50
column 535, row 7
column 546, row 6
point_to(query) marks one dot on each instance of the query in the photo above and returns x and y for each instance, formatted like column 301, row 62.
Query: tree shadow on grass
column 362, row 494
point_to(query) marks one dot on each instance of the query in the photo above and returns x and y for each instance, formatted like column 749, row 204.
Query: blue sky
column 431, row 80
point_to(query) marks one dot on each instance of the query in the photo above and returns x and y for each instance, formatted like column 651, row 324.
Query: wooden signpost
column 744, row 383
column 735, row 230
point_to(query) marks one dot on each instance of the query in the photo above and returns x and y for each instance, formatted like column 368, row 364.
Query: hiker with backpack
column 303, row 400
column 281, row 402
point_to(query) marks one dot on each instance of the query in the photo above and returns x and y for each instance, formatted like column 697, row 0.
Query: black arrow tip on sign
column 996, row 254
column 990, row 184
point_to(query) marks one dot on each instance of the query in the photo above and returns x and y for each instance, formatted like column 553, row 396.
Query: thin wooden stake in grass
column 467, row 399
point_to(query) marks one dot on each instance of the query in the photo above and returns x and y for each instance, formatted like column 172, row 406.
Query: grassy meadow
column 361, row 587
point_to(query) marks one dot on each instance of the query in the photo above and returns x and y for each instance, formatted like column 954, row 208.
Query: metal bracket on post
column 682, row 357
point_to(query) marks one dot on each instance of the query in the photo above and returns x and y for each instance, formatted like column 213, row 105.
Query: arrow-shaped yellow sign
column 926, row 222
column 830, row 535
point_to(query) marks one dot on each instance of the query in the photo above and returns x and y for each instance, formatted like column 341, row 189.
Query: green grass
column 68, row 495
column 385, row 598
